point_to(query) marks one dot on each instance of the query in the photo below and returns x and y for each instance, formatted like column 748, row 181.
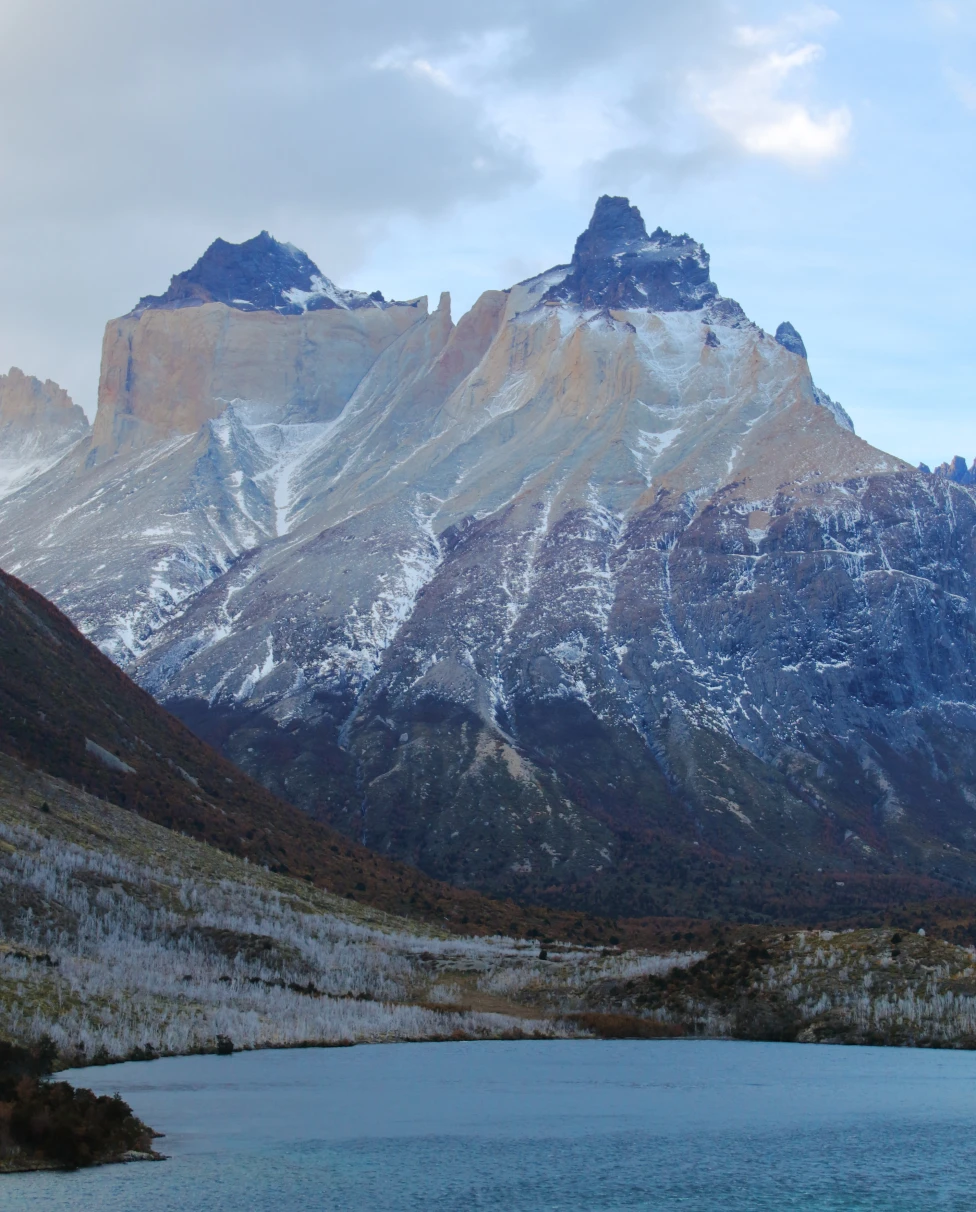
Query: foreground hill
column 592, row 598
column 119, row 938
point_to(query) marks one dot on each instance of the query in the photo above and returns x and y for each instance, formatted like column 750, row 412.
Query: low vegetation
column 867, row 986
column 123, row 939
column 52, row 1125
column 120, row 938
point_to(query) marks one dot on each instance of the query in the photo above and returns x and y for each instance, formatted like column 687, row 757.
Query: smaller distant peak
column 789, row 338
column 957, row 471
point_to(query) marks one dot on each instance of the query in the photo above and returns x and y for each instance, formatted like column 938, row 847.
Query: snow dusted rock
column 38, row 425
column 790, row 339
column 205, row 413
column 616, row 264
column 592, row 596
column 253, row 324
column 261, row 274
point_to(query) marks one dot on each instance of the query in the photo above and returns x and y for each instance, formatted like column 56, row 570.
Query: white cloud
column 627, row 98
column 746, row 100
column 560, row 126
column 944, row 13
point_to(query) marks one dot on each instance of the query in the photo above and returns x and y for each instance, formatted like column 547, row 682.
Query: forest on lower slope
column 123, row 939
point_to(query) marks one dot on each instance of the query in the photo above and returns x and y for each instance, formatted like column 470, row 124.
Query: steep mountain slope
column 38, row 425
column 207, row 413
column 594, row 596
column 67, row 711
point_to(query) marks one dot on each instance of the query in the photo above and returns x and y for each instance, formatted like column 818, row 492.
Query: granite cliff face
column 38, row 425
column 593, row 596
column 254, row 322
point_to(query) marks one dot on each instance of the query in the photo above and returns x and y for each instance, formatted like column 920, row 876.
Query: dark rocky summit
column 616, row 264
column 260, row 274
column 789, row 338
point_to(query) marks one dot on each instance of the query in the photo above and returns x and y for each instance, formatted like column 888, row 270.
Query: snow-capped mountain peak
column 616, row 264
column 260, row 274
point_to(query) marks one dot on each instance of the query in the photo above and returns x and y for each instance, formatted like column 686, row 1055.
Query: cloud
column 629, row 96
column 746, row 100
column 944, row 13
column 219, row 111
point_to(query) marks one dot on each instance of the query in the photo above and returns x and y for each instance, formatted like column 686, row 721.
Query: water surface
column 525, row 1127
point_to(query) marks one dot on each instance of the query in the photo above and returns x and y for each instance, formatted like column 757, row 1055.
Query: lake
column 574, row 1126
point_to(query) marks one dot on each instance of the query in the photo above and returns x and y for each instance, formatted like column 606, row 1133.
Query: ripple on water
column 695, row 1126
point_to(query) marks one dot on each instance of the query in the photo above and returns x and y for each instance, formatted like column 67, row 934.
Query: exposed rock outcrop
column 253, row 324
column 617, row 264
column 957, row 471
column 260, row 274
column 38, row 424
column 790, row 339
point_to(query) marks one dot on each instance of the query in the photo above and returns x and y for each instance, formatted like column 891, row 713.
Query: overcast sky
column 823, row 154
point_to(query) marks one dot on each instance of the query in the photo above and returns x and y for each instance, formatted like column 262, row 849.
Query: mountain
column 38, row 425
column 68, row 714
column 120, row 938
column 259, row 275
column 239, row 924
column 592, row 597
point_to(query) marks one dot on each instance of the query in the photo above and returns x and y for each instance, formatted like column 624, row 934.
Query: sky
column 823, row 153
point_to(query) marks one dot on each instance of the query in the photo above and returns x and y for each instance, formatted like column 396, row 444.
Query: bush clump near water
column 53, row 1125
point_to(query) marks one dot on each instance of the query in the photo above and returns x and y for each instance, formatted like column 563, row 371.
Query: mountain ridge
column 508, row 599
column 39, row 424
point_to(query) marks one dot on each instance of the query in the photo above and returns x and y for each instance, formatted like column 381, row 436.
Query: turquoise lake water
column 520, row 1127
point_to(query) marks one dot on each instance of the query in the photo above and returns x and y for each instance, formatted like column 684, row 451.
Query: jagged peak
column 260, row 274
column 617, row 264
column 956, row 470
column 789, row 338
column 839, row 412
column 28, row 401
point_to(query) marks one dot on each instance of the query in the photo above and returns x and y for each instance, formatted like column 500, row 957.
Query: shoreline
column 685, row 1038
column 46, row 1167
